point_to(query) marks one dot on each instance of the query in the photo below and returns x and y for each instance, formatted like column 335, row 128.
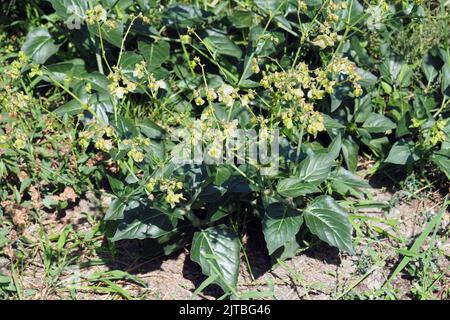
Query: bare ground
column 319, row 272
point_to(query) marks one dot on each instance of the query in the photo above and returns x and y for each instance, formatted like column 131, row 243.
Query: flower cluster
column 327, row 36
column 436, row 133
column 298, row 88
column 120, row 84
column 172, row 189
column 102, row 136
column 140, row 71
column 225, row 94
column 16, row 102
column 13, row 70
column 136, row 147
column 95, row 15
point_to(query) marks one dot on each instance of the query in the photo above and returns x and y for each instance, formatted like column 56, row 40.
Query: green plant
column 146, row 82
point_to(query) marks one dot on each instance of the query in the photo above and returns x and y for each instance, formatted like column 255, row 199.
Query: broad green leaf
column 377, row 123
column 151, row 129
column 98, row 81
column 270, row 6
column 367, row 78
column 295, row 187
column 442, row 160
column 242, row 19
column 402, row 152
column 390, row 67
column 280, row 225
column 102, row 104
column 155, row 54
column 183, row 15
column 222, row 45
column 67, row 72
column 335, row 147
column 67, row 9
column 125, row 127
column 111, row 35
column 346, row 182
column 445, row 84
column 353, row 14
column 129, row 61
column 217, row 250
column 115, row 210
column 431, row 65
column 142, row 221
column 350, row 152
column 329, row 222
column 39, row 45
column 71, row 108
column 174, row 240
column 315, row 168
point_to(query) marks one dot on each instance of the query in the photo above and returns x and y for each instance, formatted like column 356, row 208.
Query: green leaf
column 241, row 19
column 222, row 45
column 98, row 81
column 402, row 152
column 155, row 54
column 329, row 221
column 216, row 250
column 66, row 9
column 67, row 71
column 129, row 61
column 431, row 65
column 183, row 15
column 141, row 222
column 390, row 67
column 377, row 123
column 111, row 35
column 442, row 160
column 280, row 225
column 315, row 168
column 39, row 45
column 270, row 6
column 350, row 152
column 445, row 84
column 71, row 108
column 346, row 182
column 151, row 129
column 294, row 187
column 115, row 210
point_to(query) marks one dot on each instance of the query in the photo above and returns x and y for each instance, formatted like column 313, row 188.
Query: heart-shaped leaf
column 216, row 250
column 39, row 45
column 329, row 221
column 280, row 225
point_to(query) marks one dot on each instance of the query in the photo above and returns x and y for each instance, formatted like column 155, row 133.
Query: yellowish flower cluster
column 20, row 139
column 16, row 102
column 120, row 84
column 327, row 36
column 302, row 6
column 225, row 94
column 95, row 15
column 101, row 135
column 14, row 70
column 137, row 144
column 170, row 187
column 140, row 70
column 185, row 39
column 436, row 133
column 311, row 120
column 300, row 87
column 343, row 66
